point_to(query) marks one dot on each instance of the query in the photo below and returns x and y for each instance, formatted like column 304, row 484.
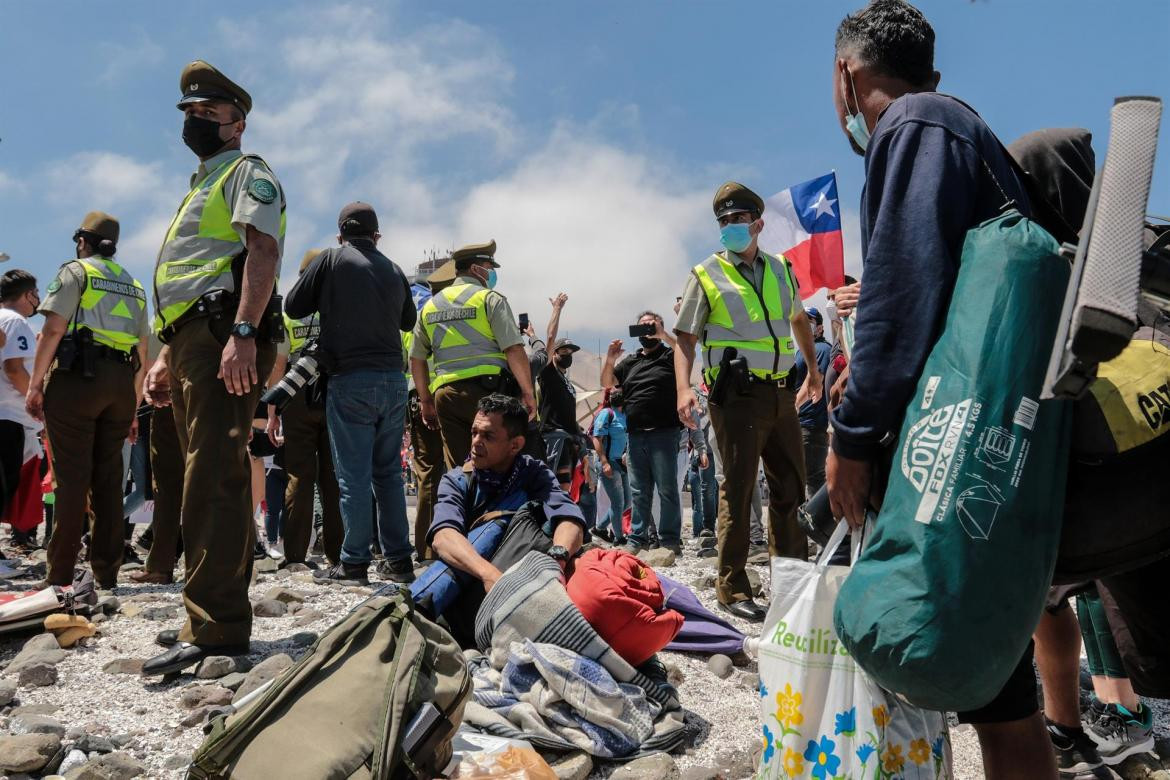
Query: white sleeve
column 21, row 343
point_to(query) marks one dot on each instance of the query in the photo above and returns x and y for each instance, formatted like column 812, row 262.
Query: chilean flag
column 803, row 223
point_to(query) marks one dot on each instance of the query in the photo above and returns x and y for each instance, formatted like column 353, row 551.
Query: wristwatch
column 558, row 553
column 244, row 330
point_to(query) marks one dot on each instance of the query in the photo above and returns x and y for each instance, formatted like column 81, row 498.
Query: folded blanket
column 561, row 695
column 621, row 598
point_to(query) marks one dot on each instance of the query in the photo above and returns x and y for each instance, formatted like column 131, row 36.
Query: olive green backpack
column 380, row 695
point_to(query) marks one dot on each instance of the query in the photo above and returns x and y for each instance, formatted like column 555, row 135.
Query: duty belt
column 213, row 303
column 116, row 355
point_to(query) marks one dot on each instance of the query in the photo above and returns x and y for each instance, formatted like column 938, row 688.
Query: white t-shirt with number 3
column 21, row 343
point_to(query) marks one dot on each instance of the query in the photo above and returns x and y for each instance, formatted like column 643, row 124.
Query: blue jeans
column 365, row 413
column 617, row 488
column 275, row 484
column 134, row 456
column 704, row 495
column 587, row 502
column 653, row 463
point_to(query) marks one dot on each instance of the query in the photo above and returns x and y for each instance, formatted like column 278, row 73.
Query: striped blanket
column 547, row 677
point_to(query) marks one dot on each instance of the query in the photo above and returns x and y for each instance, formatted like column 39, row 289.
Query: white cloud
column 119, row 59
column 107, row 181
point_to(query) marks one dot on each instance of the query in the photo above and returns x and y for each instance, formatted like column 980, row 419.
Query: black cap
column 357, row 218
column 733, row 197
column 565, row 343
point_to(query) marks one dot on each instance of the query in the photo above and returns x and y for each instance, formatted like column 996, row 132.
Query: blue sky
column 586, row 137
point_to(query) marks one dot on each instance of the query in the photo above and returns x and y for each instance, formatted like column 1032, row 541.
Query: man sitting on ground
column 498, row 482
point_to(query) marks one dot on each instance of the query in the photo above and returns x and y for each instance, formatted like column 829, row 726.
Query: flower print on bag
column 864, row 753
column 769, row 745
column 824, row 762
column 892, row 759
column 881, row 716
column 793, row 763
column 788, row 707
column 846, row 722
column 919, row 751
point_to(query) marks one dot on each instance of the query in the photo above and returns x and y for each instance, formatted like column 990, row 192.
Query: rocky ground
column 84, row 712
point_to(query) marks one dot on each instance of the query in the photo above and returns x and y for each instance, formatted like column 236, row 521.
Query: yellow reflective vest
column 754, row 321
column 462, row 342
column 113, row 304
column 299, row 332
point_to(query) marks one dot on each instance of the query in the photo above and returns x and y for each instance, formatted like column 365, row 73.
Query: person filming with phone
column 647, row 382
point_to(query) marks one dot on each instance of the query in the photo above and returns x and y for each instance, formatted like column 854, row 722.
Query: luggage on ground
column 380, row 695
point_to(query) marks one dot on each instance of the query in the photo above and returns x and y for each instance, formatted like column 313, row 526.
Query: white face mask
column 855, row 123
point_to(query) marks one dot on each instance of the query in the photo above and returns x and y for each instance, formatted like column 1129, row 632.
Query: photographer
column 364, row 302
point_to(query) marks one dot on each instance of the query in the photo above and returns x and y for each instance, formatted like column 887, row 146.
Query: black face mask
column 564, row 361
column 202, row 135
column 649, row 344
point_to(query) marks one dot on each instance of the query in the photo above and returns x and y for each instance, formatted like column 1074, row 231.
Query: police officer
column 746, row 299
column 213, row 284
column 307, row 458
column 469, row 332
column 426, row 443
column 94, row 340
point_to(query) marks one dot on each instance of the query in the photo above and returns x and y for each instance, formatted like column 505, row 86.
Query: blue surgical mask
column 855, row 123
column 735, row 237
column 491, row 279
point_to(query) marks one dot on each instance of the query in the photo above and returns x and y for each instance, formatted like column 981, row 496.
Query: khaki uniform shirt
column 694, row 310
column 64, row 294
column 499, row 315
column 246, row 208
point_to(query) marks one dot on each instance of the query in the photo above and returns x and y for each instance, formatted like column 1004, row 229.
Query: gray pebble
column 720, row 666
column 269, row 608
column 39, row 675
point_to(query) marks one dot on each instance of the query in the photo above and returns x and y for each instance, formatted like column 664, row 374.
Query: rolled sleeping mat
column 1105, row 314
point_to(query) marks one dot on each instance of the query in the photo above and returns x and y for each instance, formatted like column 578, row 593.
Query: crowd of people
column 745, row 380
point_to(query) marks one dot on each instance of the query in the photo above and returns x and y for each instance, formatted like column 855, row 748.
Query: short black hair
column 653, row 314
column 514, row 414
column 352, row 228
column 892, row 37
column 849, row 279
column 16, row 283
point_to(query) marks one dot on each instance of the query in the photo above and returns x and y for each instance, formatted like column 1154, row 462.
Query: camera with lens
column 305, row 371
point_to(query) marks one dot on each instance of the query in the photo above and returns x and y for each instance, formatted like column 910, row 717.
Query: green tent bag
column 943, row 601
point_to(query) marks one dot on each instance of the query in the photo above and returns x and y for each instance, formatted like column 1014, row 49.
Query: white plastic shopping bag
column 822, row 717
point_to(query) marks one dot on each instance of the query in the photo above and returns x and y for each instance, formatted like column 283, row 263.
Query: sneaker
column 276, row 550
column 259, row 552
column 706, row 533
column 400, row 571
column 604, row 534
column 130, row 555
column 1092, row 713
column 1120, row 733
column 344, row 574
column 674, row 548
column 1076, row 753
column 632, row 547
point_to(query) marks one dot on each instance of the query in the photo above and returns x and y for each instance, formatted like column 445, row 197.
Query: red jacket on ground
column 621, row 598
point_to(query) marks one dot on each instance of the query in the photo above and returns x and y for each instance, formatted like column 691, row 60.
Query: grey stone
column 307, row 616
column 269, row 608
column 707, row 552
column 304, row 638
column 36, row 724
column 131, row 610
column 164, row 613
column 99, row 618
column 94, row 743
column 54, row 762
column 296, row 568
column 27, row 752
column 111, row 766
column 264, row 671
column 286, row 595
column 201, row 715
column 28, row 658
column 108, row 604
column 703, row 582
column 214, row 667
column 755, row 581
column 39, row 675
column 575, row 766
column 659, row 766
column 720, row 666
column 674, row 675
column 74, row 733
column 122, row 740
column 7, row 692
column 176, row 762
column 204, row 695
column 761, row 558
column 232, row 681
column 34, row 709
column 265, row 566
column 124, row 666
column 702, row 773
column 749, row 680
column 736, row 763
column 73, row 760
column 657, row 558
column 46, row 641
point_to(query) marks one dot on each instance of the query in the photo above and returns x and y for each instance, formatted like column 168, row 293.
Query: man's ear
column 759, row 227
column 518, row 443
column 935, row 78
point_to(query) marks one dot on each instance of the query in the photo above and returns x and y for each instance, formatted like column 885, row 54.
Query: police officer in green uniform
column 746, row 299
column 93, row 349
column 475, row 347
column 307, row 458
column 426, row 443
column 214, row 282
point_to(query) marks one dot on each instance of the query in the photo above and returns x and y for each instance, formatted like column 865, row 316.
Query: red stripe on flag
column 818, row 262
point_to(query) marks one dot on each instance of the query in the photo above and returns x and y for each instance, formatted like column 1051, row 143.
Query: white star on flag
column 822, row 205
